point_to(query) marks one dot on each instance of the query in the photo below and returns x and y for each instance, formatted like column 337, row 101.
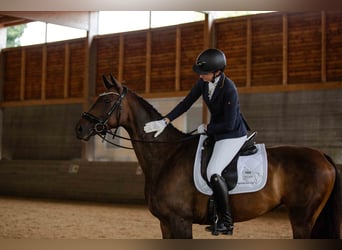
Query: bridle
column 101, row 129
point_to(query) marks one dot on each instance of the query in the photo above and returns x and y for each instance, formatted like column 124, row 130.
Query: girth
column 229, row 173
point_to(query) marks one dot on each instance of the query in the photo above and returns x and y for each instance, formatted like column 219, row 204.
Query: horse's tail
column 328, row 222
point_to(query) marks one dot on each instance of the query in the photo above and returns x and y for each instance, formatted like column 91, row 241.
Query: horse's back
column 298, row 158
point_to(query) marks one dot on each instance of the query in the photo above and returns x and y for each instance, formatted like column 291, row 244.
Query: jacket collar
column 218, row 88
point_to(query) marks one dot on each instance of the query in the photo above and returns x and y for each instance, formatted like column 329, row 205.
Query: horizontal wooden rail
column 41, row 102
column 242, row 90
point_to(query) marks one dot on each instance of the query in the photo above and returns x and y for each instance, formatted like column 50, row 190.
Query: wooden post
column 249, row 53
column 88, row 149
column 178, row 59
column 324, row 48
column 22, row 74
column 121, row 57
column 208, row 43
column 148, row 62
column 285, row 49
column 3, row 38
column 208, row 30
column 43, row 83
column 66, row 69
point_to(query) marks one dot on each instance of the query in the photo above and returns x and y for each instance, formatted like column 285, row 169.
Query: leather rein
column 101, row 129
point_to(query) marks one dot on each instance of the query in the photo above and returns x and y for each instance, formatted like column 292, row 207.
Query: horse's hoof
column 228, row 232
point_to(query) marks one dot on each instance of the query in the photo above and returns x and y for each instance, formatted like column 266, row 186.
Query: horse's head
column 105, row 113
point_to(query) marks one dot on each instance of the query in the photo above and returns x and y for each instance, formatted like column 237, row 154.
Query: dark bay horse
column 305, row 180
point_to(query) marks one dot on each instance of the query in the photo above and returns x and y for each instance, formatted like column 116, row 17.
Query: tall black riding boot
column 220, row 190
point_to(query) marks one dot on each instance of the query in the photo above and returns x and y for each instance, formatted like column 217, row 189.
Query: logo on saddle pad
column 246, row 173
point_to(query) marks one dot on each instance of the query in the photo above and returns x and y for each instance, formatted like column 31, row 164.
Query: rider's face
column 210, row 76
column 207, row 77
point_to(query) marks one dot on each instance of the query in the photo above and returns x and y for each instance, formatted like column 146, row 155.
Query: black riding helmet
column 209, row 61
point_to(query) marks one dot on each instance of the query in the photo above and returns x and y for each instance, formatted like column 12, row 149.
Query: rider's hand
column 156, row 126
column 202, row 129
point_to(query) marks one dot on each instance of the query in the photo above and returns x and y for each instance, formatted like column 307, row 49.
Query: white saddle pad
column 252, row 171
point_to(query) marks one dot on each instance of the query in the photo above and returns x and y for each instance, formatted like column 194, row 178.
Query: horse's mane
column 151, row 109
column 146, row 105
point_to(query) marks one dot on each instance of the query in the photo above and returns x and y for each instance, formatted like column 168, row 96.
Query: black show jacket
column 226, row 120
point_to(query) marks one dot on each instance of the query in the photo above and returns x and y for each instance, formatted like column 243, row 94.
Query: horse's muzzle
column 82, row 132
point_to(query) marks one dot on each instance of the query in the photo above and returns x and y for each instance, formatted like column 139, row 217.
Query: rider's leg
column 219, row 160
column 220, row 190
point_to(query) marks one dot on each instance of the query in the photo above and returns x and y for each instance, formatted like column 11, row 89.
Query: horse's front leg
column 176, row 228
column 165, row 229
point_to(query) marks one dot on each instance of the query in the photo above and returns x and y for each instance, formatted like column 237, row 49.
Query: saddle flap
column 251, row 171
column 230, row 172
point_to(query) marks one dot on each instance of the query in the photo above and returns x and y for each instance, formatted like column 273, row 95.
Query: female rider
column 227, row 126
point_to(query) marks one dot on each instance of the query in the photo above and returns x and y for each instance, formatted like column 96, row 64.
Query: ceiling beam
column 74, row 19
column 6, row 21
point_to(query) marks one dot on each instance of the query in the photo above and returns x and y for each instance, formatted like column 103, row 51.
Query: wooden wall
column 282, row 48
column 42, row 73
column 311, row 118
column 119, row 182
column 275, row 51
column 151, row 61
column 115, row 182
column 44, row 132
column 287, row 66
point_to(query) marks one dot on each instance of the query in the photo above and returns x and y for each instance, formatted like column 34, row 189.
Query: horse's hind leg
column 303, row 218
column 312, row 185
column 301, row 227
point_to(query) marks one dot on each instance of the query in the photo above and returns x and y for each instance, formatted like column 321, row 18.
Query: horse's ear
column 107, row 83
column 116, row 83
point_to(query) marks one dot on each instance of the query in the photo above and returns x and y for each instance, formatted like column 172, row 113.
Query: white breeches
column 223, row 153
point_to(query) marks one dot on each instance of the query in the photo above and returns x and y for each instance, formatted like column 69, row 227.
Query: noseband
column 101, row 125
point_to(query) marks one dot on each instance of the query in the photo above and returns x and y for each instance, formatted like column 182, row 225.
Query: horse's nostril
column 79, row 129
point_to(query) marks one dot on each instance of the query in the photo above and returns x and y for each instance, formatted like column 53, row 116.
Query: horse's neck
column 152, row 154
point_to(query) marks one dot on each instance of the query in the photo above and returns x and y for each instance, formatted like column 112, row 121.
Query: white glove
column 202, row 129
column 155, row 126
